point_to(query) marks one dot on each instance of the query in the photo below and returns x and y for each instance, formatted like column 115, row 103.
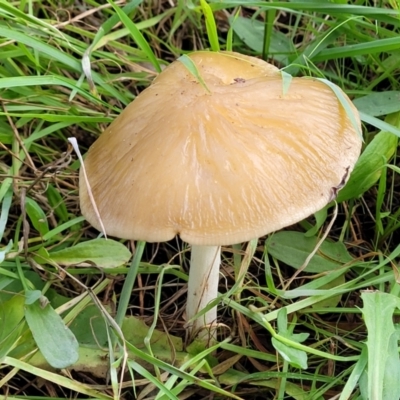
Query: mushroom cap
column 223, row 165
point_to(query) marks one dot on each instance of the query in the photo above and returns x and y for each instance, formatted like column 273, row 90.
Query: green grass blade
column 229, row 38
column 49, row 80
column 137, row 36
column 129, row 282
column 378, row 123
column 355, row 375
column 28, row 17
column 5, row 209
column 211, row 26
column 55, row 378
column 268, row 29
column 205, row 384
column 163, row 390
column 379, row 13
column 376, row 46
column 345, row 104
column 57, row 56
column 192, row 68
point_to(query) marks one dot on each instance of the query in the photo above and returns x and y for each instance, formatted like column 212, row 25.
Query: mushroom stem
column 203, row 285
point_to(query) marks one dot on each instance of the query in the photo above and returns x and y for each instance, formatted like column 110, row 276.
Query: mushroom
column 219, row 160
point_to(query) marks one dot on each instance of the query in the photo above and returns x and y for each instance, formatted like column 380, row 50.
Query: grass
column 67, row 69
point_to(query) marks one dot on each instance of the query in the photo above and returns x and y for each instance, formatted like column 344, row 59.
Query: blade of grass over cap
column 344, row 102
column 137, row 36
column 286, row 81
column 210, row 25
column 191, row 67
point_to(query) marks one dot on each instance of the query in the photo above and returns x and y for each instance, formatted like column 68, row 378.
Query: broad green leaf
column 320, row 218
column 284, row 330
column 92, row 360
column 296, row 358
column 251, row 32
column 378, row 309
column 6, row 278
column 369, row 166
column 41, row 255
column 32, row 295
column 332, row 301
column 37, row 216
column 54, row 339
column 89, row 327
column 282, row 321
column 298, row 337
column 293, row 248
column 106, row 253
column 379, row 103
column 391, row 387
column 11, row 317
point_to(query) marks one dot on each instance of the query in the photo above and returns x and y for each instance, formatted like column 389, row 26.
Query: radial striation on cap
column 223, row 165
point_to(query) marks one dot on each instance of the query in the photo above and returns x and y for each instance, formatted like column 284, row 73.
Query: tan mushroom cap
column 223, row 166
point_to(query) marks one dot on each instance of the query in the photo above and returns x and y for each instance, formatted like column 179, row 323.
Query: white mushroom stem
column 203, row 285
